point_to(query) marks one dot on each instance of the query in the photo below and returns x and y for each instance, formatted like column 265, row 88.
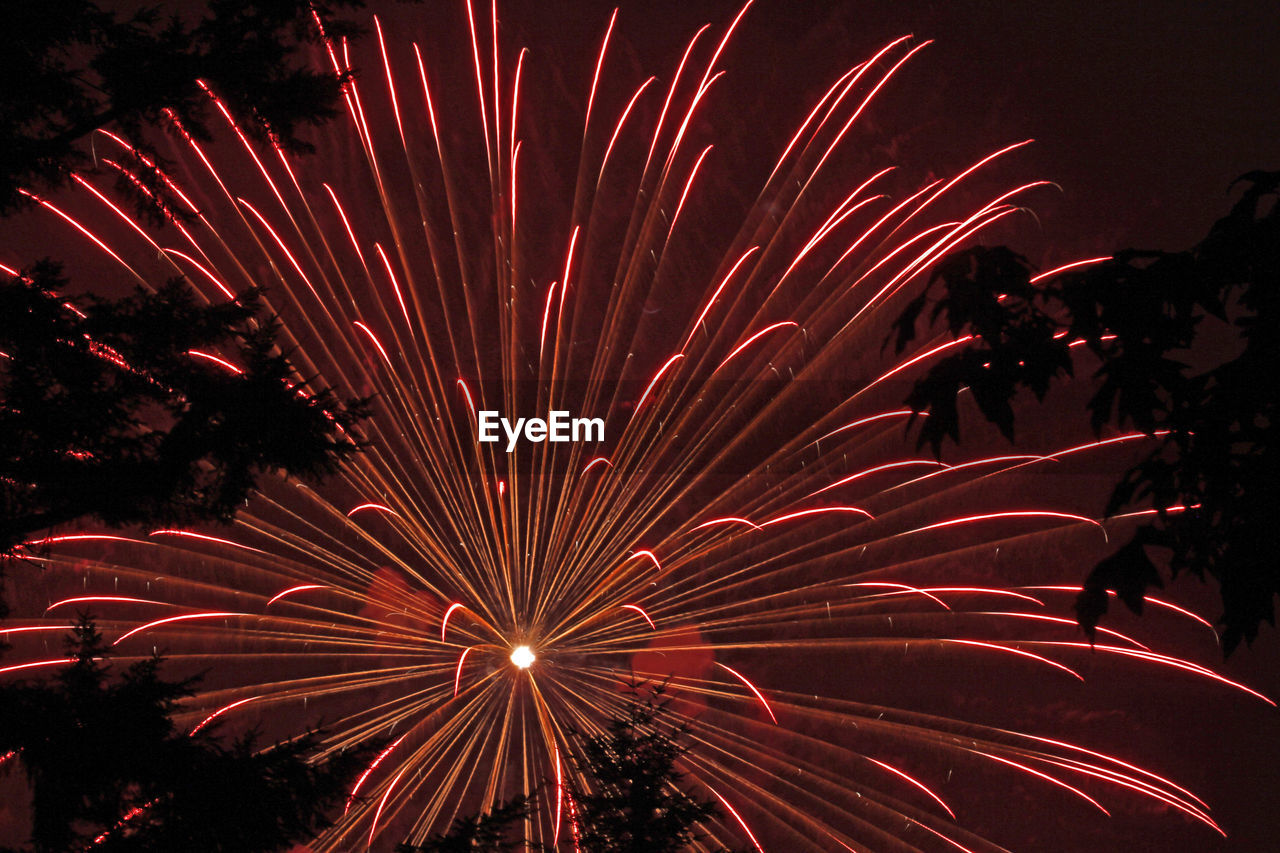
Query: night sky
column 1143, row 114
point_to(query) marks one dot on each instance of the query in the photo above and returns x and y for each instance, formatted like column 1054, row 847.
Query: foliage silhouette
column 106, row 414
column 634, row 802
column 1210, row 404
column 107, row 767
column 621, row 793
column 71, row 67
column 496, row 831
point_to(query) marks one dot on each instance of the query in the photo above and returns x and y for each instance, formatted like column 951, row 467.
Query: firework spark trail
column 697, row 547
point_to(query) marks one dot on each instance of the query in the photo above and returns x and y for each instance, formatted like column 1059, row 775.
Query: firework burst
column 754, row 530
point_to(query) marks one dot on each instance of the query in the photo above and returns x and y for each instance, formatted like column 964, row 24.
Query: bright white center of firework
column 522, row 656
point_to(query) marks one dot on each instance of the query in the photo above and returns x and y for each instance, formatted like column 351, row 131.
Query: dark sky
column 1143, row 111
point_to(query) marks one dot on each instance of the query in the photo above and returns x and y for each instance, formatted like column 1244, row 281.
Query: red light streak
column 378, row 507
column 895, row 771
column 126, row 218
column 204, row 538
column 391, row 84
column 737, row 817
column 374, row 338
column 985, row 590
column 226, row 291
column 1013, row 651
column 656, row 377
column 716, row 295
column 221, row 362
column 515, row 110
column 555, row 829
column 218, row 713
column 754, row 337
column 85, row 537
column 857, row 113
column 1117, row 761
column 466, row 392
column 283, row 248
column 648, row 554
column 1071, row 266
column 457, row 675
column 546, row 315
column 868, row 472
column 969, row 519
column 568, row 266
column 618, row 129
column 919, row 358
column 1150, row 599
column 1167, row 660
column 1070, row 623
column 169, row 620
column 85, row 231
column 373, row 829
column 595, row 78
column 750, row 687
column 1138, row 786
column 804, row 513
column 35, row 629
column 368, row 770
column 85, row 599
column 1033, row 772
column 688, row 117
column 671, row 91
column 896, row 414
column 444, row 622
column 693, row 174
column 151, row 164
column 291, row 590
column 36, row 664
column 640, row 610
column 395, row 284
column 346, row 224
column 729, row 519
column 900, row 589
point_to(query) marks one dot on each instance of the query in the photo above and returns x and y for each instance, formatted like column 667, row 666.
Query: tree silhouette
column 1207, row 399
column 155, row 409
column 632, row 801
column 496, row 831
column 107, row 767
column 622, row 794
column 117, row 410
column 103, row 412
column 71, row 68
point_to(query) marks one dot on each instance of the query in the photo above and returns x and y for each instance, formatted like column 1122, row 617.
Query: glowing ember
column 523, row 657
